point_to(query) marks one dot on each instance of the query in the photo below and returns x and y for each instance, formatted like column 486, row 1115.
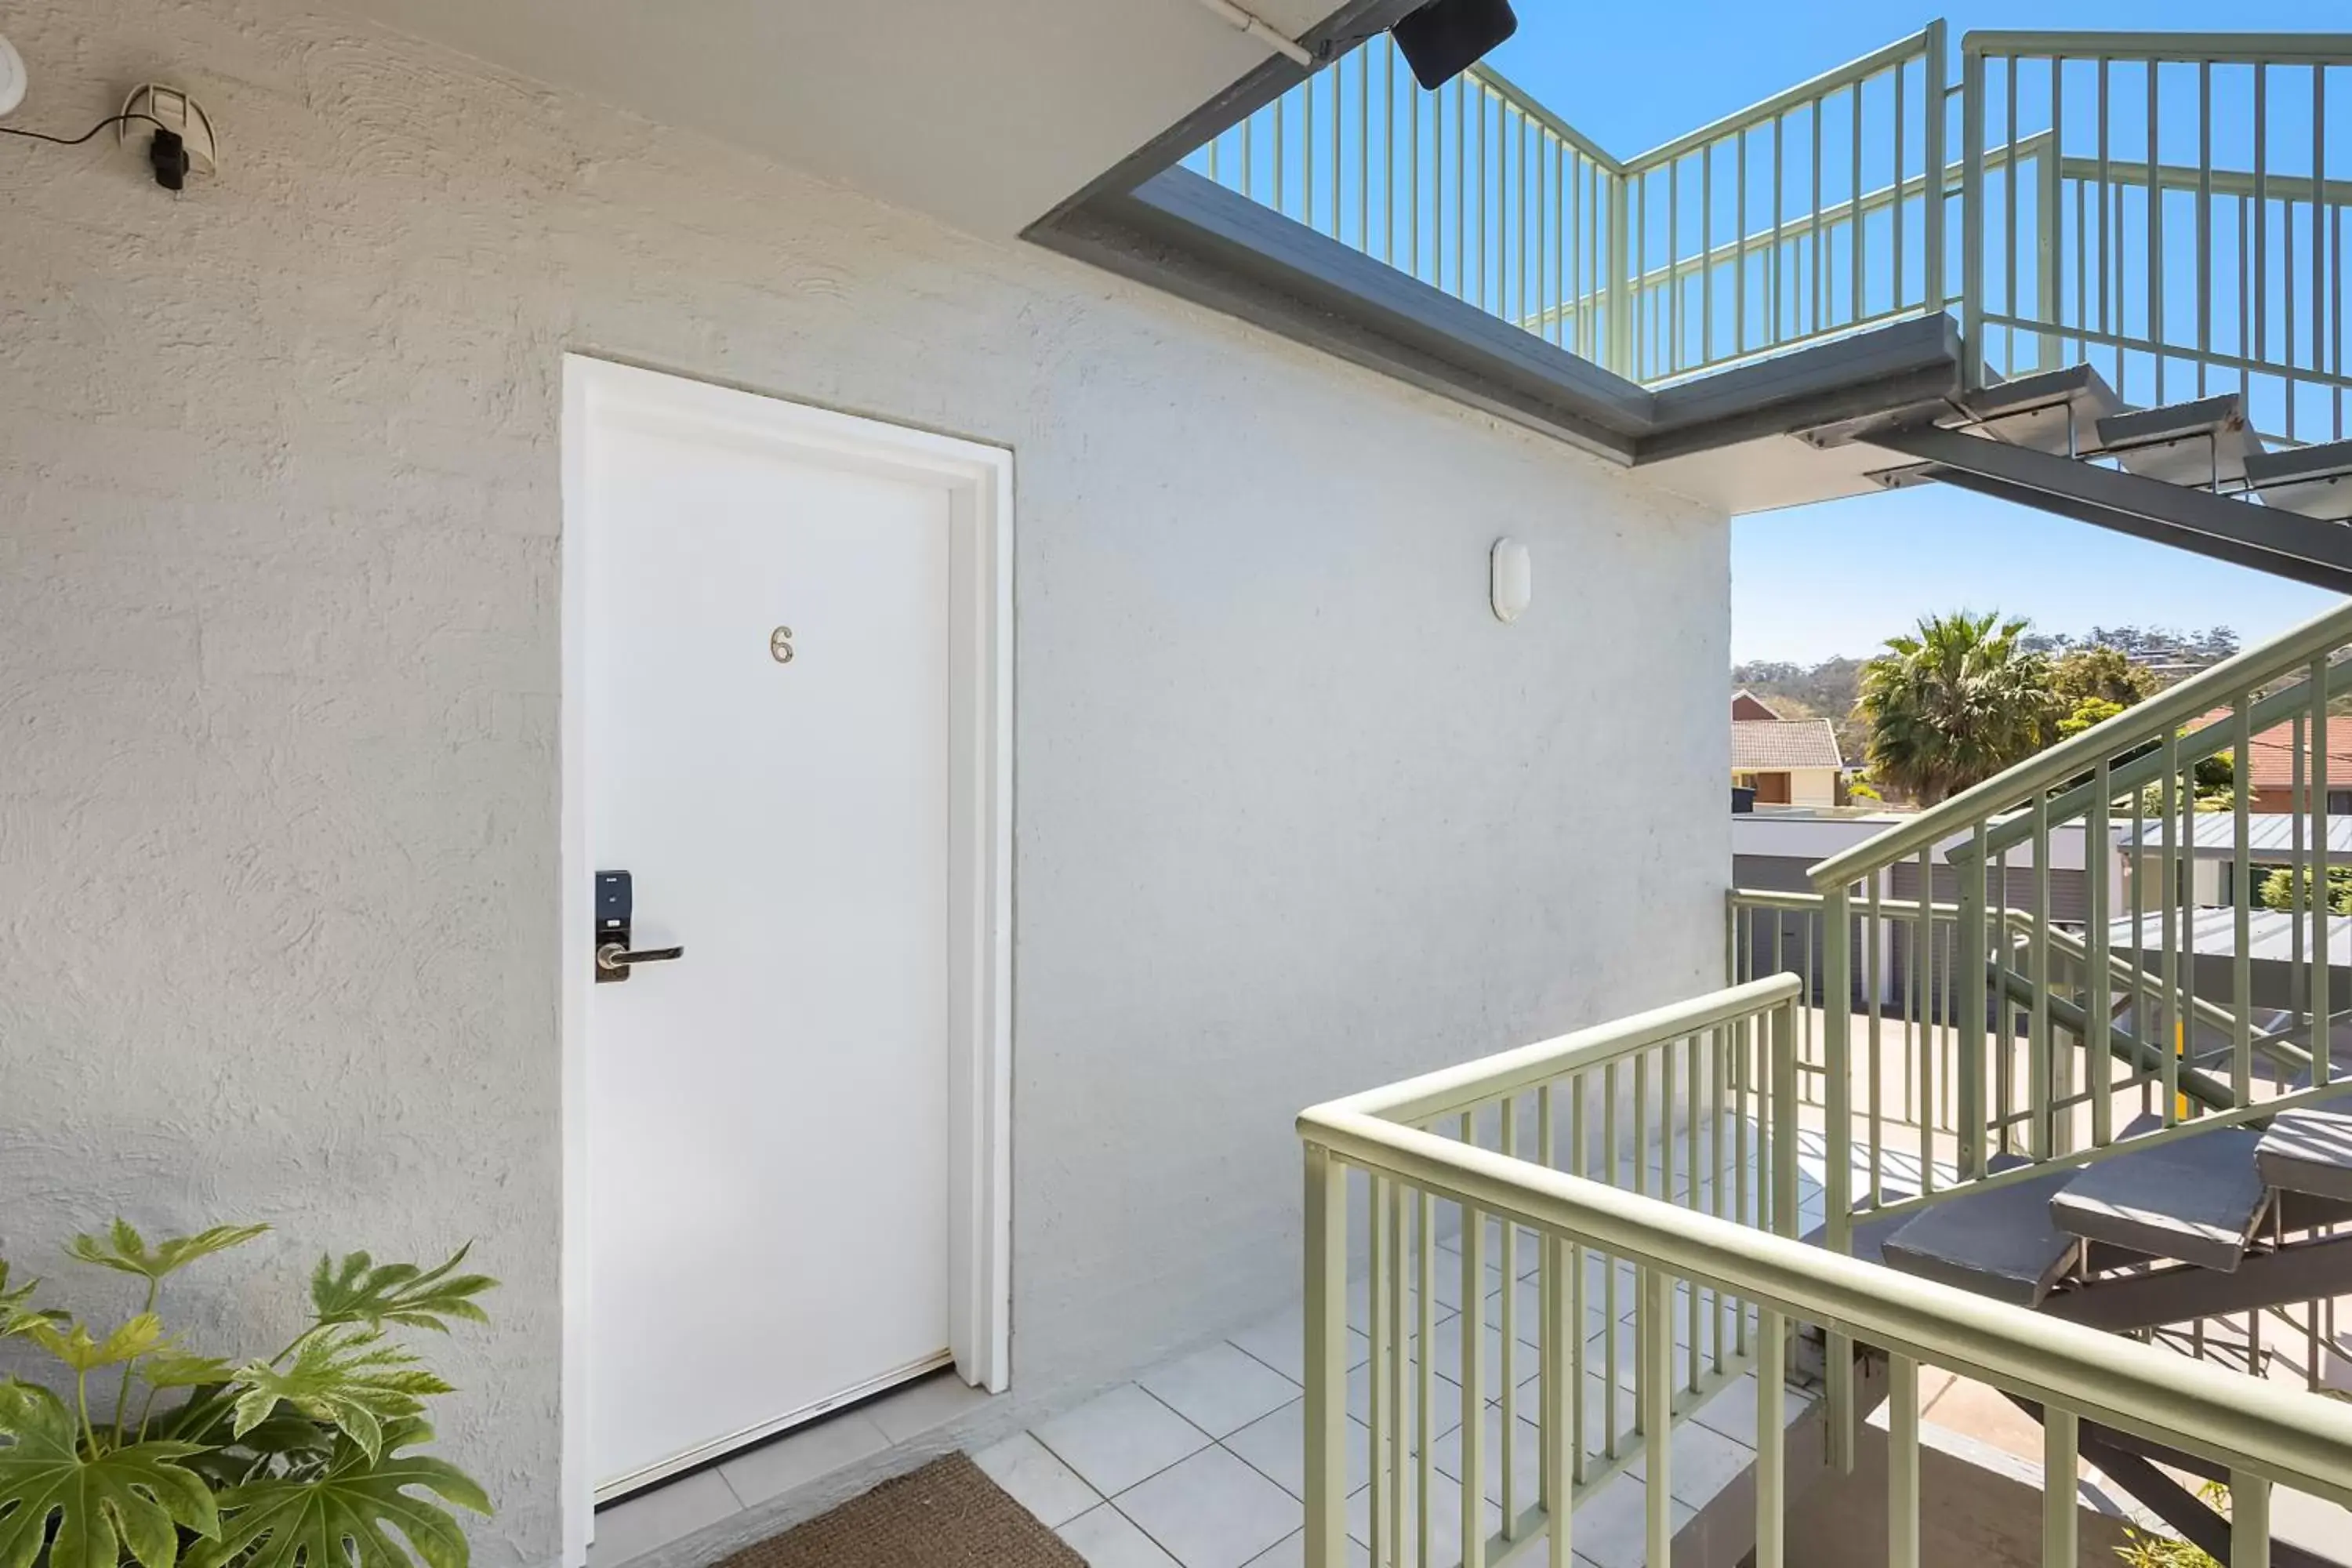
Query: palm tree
column 1954, row 703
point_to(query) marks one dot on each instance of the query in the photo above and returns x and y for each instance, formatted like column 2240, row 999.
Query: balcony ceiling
column 985, row 113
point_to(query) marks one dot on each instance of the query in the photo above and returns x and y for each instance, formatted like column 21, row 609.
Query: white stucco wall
column 279, row 690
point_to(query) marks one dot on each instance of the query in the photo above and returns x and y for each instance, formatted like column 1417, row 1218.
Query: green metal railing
column 1690, row 1109
column 1803, row 217
column 2173, row 209
column 1906, row 1054
column 2029, row 997
column 1386, row 1171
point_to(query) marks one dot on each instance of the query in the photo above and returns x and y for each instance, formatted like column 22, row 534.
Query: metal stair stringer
column 2181, row 1292
column 2207, row 1089
column 2267, row 538
column 2132, row 1464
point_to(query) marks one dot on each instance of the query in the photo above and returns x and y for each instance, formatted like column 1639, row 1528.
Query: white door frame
column 979, row 482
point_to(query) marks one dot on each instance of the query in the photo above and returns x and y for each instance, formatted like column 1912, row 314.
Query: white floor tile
column 1610, row 1528
column 1275, row 1447
column 1529, row 1252
column 1527, row 1308
column 1526, row 1459
column 1521, row 1361
column 793, row 1461
column 1291, row 1553
column 920, row 1406
column 1445, row 1409
column 1107, row 1537
column 1446, row 1286
column 1036, row 1480
column 1732, row 1411
column 1597, row 1413
column 1280, row 1341
column 1444, row 1518
column 652, row 1519
column 1211, row 1510
column 1116, row 1440
column 1703, row 1462
column 1220, row 1389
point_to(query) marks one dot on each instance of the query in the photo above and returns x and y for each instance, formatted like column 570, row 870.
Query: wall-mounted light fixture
column 1510, row 579
column 12, row 77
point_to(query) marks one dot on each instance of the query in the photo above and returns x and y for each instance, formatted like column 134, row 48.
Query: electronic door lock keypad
column 615, row 906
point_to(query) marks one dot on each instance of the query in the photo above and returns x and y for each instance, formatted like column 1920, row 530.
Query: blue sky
column 1839, row 578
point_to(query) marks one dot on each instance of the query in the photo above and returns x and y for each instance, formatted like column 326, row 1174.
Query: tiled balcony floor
column 1200, row 1464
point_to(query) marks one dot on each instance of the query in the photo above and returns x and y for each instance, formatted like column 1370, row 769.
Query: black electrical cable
column 77, row 141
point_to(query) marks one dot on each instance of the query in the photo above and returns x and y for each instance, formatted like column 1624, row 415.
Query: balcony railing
column 1905, row 1059
column 1505, row 1148
column 1691, row 1110
column 2173, row 209
column 2163, row 991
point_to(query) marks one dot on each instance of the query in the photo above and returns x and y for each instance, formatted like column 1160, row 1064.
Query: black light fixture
column 1447, row 38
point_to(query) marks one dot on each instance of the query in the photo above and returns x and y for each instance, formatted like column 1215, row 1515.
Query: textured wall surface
column 278, row 688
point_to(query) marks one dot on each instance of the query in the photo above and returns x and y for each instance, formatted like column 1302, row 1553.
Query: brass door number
column 780, row 644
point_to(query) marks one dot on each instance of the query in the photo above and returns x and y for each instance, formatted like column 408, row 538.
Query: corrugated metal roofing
column 2271, row 836
column 1764, row 743
column 2214, row 932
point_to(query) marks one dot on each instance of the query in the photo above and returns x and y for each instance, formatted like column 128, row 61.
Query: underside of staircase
column 2194, row 475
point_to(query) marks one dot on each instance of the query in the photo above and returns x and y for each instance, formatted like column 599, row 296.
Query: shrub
column 304, row 1459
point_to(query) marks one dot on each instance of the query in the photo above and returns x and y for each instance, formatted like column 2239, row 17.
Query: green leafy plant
column 2290, row 888
column 2144, row 1548
column 303, row 1460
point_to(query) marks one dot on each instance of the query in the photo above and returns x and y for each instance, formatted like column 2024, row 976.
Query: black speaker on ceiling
column 1447, row 38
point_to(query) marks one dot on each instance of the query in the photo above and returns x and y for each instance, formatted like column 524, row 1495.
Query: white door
column 766, row 747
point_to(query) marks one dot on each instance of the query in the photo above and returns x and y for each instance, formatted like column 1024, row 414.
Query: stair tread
column 2000, row 1243
column 2045, row 410
column 2314, row 481
column 2196, row 1199
column 2183, row 443
column 2309, row 1152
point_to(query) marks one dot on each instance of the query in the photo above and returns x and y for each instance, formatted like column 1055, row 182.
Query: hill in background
column 1828, row 690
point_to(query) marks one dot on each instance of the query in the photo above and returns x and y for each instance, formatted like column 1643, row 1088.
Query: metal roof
column 2272, row 839
column 2214, row 932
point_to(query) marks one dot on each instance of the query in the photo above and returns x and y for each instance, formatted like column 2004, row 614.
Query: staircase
column 2219, row 1203
column 2193, row 474
column 2225, row 1221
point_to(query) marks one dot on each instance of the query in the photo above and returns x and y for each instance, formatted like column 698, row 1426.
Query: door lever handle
column 615, row 906
column 612, row 958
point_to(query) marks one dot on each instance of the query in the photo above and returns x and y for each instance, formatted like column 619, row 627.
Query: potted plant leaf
column 158, row 1454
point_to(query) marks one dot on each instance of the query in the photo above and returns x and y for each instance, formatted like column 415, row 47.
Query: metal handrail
column 1687, row 1266
column 1449, row 1089
column 1902, row 51
column 1482, row 191
column 1527, row 103
column 2263, row 1431
column 1712, row 1120
column 2216, row 48
column 2152, row 719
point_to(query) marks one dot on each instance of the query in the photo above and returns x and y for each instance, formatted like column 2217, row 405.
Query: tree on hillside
column 1954, row 703
column 1823, row 691
column 2174, row 652
column 2093, row 682
column 2096, row 671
